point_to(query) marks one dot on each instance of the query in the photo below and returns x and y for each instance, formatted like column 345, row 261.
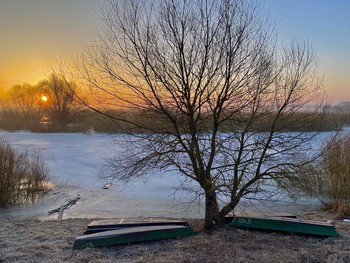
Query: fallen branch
column 17, row 224
column 66, row 206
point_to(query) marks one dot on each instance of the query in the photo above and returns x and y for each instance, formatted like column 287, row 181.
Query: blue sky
column 35, row 33
column 326, row 23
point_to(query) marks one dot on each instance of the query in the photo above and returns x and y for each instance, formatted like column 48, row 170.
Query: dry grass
column 51, row 241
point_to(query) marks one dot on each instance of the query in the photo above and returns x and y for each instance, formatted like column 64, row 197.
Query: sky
column 35, row 34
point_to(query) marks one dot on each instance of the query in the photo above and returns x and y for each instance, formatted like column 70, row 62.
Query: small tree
column 21, row 176
column 195, row 69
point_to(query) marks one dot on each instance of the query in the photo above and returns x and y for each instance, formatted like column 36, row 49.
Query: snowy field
column 74, row 161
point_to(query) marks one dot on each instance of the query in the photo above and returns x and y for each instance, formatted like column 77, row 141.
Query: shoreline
column 92, row 204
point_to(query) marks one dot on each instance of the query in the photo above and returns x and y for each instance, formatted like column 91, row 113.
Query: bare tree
column 25, row 102
column 61, row 106
column 215, row 91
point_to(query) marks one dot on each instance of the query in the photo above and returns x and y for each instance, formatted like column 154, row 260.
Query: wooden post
column 60, row 214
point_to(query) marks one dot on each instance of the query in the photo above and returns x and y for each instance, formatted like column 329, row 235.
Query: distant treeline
column 54, row 105
column 122, row 121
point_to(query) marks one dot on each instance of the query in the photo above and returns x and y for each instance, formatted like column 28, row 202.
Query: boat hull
column 131, row 235
column 291, row 225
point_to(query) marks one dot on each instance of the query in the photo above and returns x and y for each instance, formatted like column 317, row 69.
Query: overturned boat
column 285, row 224
column 107, row 233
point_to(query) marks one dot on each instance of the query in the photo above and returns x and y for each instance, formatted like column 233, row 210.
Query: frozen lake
column 74, row 161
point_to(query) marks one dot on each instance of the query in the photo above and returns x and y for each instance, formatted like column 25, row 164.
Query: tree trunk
column 211, row 209
column 228, row 208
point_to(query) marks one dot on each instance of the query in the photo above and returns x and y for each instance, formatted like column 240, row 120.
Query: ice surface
column 74, row 160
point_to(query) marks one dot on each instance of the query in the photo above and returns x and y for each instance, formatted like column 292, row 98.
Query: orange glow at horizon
column 51, row 31
column 25, row 70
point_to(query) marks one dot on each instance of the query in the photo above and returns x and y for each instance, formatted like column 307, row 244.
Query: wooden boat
column 131, row 235
column 285, row 224
column 114, row 224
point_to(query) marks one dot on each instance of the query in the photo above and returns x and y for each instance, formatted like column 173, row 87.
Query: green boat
column 114, row 224
column 285, row 224
column 128, row 235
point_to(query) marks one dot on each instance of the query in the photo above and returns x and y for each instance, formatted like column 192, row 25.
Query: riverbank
column 31, row 240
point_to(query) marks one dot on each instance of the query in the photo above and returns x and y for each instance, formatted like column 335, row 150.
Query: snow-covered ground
column 74, row 161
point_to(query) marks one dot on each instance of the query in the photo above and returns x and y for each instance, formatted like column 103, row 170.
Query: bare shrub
column 329, row 178
column 336, row 184
column 22, row 176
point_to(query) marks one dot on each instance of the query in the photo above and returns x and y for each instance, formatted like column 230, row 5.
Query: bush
column 22, row 177
column 329, row 179
column 336, row 185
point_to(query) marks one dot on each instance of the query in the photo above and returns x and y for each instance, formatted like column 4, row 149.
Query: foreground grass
column 51, row 241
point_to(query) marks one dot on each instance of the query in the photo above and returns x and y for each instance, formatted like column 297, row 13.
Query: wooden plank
column 60, row 213
column 264, row 214
column 113, row 224
column 132, row 220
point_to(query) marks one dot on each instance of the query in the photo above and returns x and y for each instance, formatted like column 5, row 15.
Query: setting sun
column 44, row 98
